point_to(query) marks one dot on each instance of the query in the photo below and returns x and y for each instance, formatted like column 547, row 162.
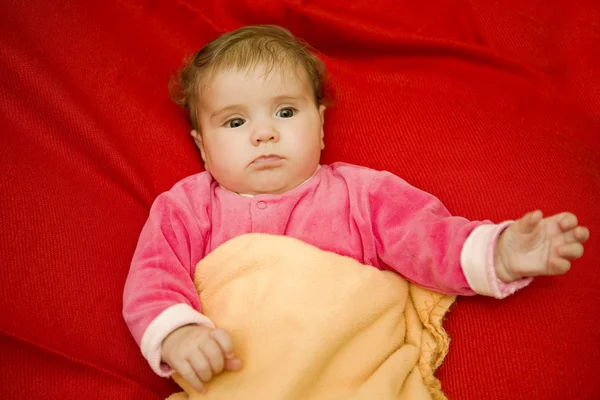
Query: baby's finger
column 567, row 221
column 224, row 341
column 188, row 373
column 202, row 367
column 581, row 233
column 558, row 266
column 214, row 355
column 578, row 235
column 571, row 251
column 529, row 222
column 233, row 364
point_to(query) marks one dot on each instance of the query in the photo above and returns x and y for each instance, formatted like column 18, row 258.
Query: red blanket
column 491, row 106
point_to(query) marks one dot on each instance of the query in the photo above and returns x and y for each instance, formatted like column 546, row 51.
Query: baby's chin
column 268, row 185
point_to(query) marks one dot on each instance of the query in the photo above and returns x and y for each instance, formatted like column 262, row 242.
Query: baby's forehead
column 277, row 78
column 265, row 72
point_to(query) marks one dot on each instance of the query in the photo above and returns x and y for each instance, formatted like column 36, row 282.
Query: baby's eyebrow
column 231, row 108
column 283, row 98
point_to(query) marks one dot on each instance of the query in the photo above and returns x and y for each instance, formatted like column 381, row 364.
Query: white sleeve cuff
column 477, row 261
column 170, row 319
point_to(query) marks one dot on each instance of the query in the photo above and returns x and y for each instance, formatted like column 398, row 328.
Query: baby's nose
column 265, row 133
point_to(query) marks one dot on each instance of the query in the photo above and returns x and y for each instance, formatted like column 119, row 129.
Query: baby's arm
column 159, row 294
column 417, row 236
column 160, row 300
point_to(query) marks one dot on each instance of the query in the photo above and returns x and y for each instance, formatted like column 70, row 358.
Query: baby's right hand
column 198, row 353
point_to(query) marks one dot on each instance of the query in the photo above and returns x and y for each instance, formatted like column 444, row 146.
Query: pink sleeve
column 477, row 261
column 159, row 294
column 416, row 236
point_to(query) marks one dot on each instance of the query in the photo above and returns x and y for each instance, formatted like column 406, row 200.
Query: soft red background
column 491, row 105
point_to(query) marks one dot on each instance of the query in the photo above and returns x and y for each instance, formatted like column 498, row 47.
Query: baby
column 257, row 108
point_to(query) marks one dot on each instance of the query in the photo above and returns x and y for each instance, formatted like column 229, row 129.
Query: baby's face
column 260, row 133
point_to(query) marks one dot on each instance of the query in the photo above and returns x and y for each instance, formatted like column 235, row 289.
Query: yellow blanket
column 313, row 325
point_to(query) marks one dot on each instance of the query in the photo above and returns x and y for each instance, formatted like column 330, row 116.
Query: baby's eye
column 285, row 113
column 235, row 123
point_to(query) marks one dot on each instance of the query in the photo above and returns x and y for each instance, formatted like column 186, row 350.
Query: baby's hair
column 244, row 48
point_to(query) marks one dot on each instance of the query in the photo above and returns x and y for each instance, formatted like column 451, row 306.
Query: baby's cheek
column 231, row 166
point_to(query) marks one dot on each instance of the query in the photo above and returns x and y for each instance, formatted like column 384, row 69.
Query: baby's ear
column 198, row 140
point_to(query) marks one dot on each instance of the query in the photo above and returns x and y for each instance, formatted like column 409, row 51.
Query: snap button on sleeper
column 261, row 204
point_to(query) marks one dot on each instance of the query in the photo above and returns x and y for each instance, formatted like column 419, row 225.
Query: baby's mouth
column 267, row 161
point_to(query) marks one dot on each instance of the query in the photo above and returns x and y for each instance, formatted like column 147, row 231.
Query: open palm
column 534, row 246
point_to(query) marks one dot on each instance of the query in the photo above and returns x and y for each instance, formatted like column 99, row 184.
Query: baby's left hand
column 534, row 246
